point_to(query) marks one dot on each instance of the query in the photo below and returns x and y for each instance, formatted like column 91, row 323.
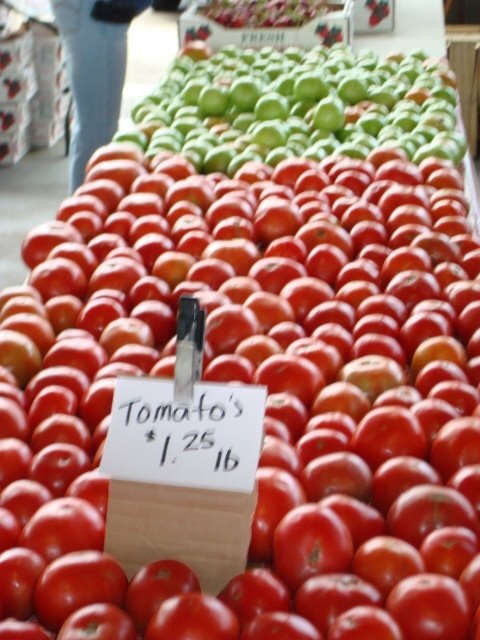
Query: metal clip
column 189, row 349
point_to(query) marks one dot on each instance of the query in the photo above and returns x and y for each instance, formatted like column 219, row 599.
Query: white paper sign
column 213, row 443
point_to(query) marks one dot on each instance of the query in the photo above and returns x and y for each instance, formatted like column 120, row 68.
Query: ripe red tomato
column 342, row 396
column 278, row 492
column 253, row 592
column 383, row 561
column 154, row 583
column 449, row 550
column 364, row 622
column 310, row 540
column 341, row 472
column 292, row 373
column 23, row 497
column 396, row 475
column 15, row 458
column 363, row 521
column 107, row 621
column 424, row 508
column 198, row 615
column 321, row 599
column 375, row 444
column 11, row 629
column 19, row 571
column 456, row 445
column 75, row 580
column 63, row 525
column 428, row 606
column 279, row 625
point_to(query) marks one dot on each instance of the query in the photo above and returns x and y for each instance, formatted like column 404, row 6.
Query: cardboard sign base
column 207, row 530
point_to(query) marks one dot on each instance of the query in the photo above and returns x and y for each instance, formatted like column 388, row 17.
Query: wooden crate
column 463, row 47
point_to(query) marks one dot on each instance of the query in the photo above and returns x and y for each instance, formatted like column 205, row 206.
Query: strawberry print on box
column 374, row 16
column 246, row 24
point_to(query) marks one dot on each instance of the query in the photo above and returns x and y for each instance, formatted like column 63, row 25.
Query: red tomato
column 428, row 606
column 154, row 583
column 12, row 629
column 108, row 621
column 280, row 626
column 13, row 420
column 336, row 336
column 23, row 497
column 456, row 445
column 253, row 592
column 279, row 454
column 57, row 464
column 310, row 540
column 38, row 243
column 270, row 309
column 449, row 550
column 275, row 272
column 289, row 409
column 64, row 525
column 81, row 353
column 19, row 571
column 364, row 622
column 467, row 481
column 375, row 444
column 424, row 508
column 75, row 580
column 15, row 458
column 193, row 615
column 342, row 396
column 325, row 261
column 363, row 521
column 396, row 475
column 332, row 420
column 227, row 326
column 278, row 493
column 384, row 560
column 34, row 326
column 433, row 413
column 321, row 599
column 319, row 442
column 336, row 311
column 9, row 529
column 291, row 373
column 341, row 472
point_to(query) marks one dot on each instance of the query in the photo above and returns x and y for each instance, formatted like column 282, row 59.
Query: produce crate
column 45, row 133
column 16, row 52
column 18, row 86
column 50, row 105
column 14, row 146
column 463, row 46
column 335, row 25
column 48, row 47
column 14, row 117
column 373, row 16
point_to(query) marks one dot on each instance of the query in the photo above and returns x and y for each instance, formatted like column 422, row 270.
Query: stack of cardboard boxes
column 51, row 102
column 463, row 46
column 18, row 85
column 34, row 94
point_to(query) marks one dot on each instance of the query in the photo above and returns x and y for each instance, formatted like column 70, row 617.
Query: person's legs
column 96, row 58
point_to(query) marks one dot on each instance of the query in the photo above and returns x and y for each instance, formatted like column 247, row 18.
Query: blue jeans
column 96, row 61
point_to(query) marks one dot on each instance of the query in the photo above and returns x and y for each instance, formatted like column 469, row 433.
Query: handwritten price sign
column 213, row 443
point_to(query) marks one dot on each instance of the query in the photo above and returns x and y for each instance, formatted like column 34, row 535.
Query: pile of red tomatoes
column 349, row 288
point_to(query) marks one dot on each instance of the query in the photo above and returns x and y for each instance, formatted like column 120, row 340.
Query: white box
column 333, row 26
column 14, row 117
column 46, row 133
column 51, row 79
column 18, row 86
column 50, row 105
column 14, row 147
column 48, row 47
column 15, row 53
column 373, row 16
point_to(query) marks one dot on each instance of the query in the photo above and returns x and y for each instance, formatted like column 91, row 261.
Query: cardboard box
column 45, row 133
column 18, row 86
column 14, row 147
column 14, row 117
column 463, row 48
column 50, row 105
column 51, row 79
column 373, row 16
column 16, row 52
column 336, row 25
column 48, row 47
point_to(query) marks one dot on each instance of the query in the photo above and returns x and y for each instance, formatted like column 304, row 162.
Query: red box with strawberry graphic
column 326, row 24
column 374, row 16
